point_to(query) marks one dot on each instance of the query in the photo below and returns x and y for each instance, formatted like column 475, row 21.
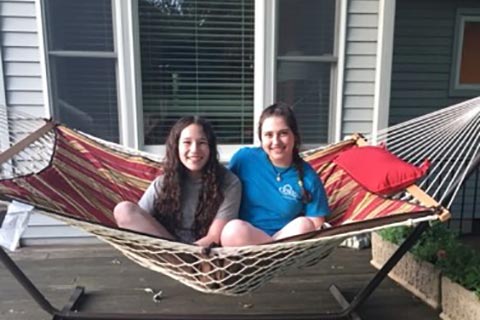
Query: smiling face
column 278, row 141
column 193, row 149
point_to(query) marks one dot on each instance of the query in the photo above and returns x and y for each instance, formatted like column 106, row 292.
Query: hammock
column 78, row 179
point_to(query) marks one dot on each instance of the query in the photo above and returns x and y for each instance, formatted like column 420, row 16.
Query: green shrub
column 396, row 234
column 462, row 265
column 435, row 240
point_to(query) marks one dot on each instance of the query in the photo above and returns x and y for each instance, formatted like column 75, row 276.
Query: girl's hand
column 213, row 234
column 204, row 242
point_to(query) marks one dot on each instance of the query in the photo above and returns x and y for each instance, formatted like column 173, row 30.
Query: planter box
column 458, row 303
column 419, row 277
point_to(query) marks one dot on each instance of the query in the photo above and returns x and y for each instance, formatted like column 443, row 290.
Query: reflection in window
column 80, row 25
column 86, row 95
column 305, row 57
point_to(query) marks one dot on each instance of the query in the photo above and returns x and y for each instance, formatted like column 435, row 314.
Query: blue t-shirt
column 269, row 204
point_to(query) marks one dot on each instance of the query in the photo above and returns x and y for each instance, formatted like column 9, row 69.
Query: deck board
column 115, row 284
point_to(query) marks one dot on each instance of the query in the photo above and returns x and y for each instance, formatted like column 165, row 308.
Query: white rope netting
column 449, row 138
column 223, row 270
column 14, row 127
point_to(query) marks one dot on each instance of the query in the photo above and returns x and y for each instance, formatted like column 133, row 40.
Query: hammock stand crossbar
column 349, row 309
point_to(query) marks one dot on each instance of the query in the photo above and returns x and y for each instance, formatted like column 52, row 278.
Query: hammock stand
column 348, row 308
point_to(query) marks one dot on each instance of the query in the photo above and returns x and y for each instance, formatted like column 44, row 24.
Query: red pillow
column 378, row 170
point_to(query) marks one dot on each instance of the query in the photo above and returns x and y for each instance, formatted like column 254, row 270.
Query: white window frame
column 383, row 68
column 264, row 79
column 456, row 89
column 4, row 137
column 336, row 60
column 43, row 59
column 45, row 53
column 129, row 78
column 126, row 54
column 129, row 86
column 338, row 72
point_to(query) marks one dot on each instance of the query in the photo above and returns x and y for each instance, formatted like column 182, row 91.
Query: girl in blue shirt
column 282, row 195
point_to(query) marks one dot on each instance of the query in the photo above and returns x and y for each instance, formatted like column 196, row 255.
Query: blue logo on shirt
column 288, row 192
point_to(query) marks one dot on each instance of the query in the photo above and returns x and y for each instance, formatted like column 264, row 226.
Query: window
column 466, row 66
column 82, row 65
column 305, row 59
column 193, row 57
column 197, row 58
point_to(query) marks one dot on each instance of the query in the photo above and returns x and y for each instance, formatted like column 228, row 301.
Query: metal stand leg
column 74, row 299
column 72, row 303
column 363, row 295
column 342, row 301
column 26, row 283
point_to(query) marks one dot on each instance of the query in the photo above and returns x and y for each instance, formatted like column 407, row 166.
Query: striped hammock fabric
column 85, row 177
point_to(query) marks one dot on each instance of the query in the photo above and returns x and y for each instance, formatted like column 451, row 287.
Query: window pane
column 470, row 64
column 86, row 95
column 306, row 85
column 80, row 25
column 197, row 58
column 306, row 27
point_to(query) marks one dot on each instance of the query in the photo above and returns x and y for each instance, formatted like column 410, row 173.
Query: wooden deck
column 114, row 284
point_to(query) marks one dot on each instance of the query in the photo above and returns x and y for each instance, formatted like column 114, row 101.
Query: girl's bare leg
column 296, row 226
column 129, row 215
column 238, row 233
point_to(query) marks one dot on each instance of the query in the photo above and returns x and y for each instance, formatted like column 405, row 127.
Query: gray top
column 228, row 210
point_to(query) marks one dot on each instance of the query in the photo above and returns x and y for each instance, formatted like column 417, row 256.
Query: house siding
column 421, row 71
column 360, row 64
column 422, row 57
column 20, row 55
column 23, row 92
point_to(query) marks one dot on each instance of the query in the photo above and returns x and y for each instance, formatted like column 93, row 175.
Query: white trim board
column 342, row 38
column 43, row 60
column 383, row 73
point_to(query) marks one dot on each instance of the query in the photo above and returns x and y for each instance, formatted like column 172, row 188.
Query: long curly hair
column 167, row 204
column 286, row 112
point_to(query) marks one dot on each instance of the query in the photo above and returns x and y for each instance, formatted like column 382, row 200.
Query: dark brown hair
column 286, row 112
column 167, row 204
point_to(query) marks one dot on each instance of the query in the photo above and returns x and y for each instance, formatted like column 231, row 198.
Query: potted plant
column 416, row 270
column 439, row 269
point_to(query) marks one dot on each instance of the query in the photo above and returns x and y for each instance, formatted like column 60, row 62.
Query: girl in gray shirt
column 194, row 198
